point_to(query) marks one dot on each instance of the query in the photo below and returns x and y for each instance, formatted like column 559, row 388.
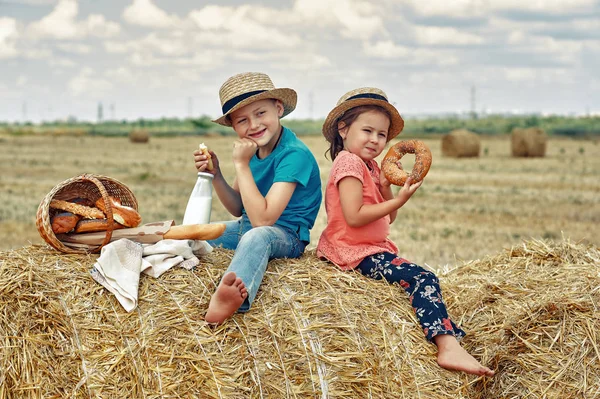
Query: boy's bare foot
column 228, row 298
column 452, row 356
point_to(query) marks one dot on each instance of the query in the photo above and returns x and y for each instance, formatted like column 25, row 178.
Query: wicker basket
column 87, row 186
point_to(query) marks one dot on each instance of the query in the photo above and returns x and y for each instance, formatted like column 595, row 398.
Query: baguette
column 204, row 150
column 82, row 210
column 195, row 232
column 93, row 225
column 122, row 214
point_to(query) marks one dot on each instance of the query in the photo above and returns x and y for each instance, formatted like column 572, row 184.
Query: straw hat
column 355, row 98
column 245, row 88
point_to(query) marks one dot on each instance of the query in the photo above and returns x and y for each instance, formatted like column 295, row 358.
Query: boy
column 276, row 192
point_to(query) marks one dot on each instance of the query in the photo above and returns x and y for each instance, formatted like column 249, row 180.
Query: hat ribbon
column 368, row 95
column 235, row 100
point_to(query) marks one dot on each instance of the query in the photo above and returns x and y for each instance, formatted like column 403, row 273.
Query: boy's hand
column 243, row 151
column 201, row 163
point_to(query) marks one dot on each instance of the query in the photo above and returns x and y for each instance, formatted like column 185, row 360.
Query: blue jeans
column 254, row 248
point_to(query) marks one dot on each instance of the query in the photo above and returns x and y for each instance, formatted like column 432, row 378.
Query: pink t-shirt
column 340, row 243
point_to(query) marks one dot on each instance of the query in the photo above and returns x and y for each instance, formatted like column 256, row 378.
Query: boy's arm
column 262, row 211
column 230, row 196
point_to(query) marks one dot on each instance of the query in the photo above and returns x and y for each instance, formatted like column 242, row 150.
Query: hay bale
column 530, row 142
column 534, row 311
column 313, row 331
column 139, row 136
column 461, row 143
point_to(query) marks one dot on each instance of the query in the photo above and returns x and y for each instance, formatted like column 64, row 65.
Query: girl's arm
column 357, row 213
column 386, row 192
column 262, row 211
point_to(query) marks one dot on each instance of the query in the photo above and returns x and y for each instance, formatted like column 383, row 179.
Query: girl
column 358, row 129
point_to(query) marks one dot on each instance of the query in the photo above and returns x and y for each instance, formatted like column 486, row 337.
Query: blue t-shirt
column 293, row 162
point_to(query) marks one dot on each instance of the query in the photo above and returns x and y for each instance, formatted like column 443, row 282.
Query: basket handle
column 109, row 211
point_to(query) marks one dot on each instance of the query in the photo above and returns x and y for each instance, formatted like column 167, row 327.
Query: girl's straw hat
column 355, row 98
column 245, row 88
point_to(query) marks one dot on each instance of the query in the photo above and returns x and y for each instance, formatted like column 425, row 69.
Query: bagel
column 398, row 176
column 122, row 214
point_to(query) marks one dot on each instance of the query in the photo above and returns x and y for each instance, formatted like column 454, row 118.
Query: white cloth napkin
column 120, row 263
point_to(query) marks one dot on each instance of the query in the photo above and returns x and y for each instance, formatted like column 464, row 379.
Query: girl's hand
column 408, row 190
column 383, row 181
column 201, row 163
column 243, row 151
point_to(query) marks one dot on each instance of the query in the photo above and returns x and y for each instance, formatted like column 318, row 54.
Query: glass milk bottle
column 200, row 202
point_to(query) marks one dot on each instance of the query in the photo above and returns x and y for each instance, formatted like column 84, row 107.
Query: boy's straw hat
column 245, row 88
column 355, row 98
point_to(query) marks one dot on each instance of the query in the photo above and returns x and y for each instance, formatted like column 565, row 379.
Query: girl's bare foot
column 452, row 356
column 228, row 298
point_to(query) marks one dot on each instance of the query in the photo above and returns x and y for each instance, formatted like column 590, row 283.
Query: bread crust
column 398, row 176
column 64, row 222
column 78, row 209
column 93, row 225
column 122, row 214
column 204, row 150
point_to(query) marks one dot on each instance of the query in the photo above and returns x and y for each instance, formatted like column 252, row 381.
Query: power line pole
column 24, row 111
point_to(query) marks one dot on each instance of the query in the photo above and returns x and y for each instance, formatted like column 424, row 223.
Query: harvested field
column 466, row 208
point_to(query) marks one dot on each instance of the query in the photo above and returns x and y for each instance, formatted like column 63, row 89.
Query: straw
column 531, row 312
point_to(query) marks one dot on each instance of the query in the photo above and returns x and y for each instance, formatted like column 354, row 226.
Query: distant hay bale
column 530, row 142
column 139, row 136
column 313, row 331
column 461, row 143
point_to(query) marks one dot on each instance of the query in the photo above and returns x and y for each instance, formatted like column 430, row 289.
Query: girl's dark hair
column 336, row 145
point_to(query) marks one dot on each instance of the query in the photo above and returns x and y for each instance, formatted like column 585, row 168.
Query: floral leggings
column 421, row 285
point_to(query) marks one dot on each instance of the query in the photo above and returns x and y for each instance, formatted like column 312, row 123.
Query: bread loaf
column 122, row 214
column 93, row 225
column 64, row 222
column 78, row 209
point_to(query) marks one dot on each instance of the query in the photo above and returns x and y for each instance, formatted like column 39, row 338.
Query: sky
column 61, row 59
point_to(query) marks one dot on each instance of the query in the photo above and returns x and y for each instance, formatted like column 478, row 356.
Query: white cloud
column 435, row 35
column 237, row 27
column 22, row 81
column 89, row 84
column 387, row 49
column 8, row 35
column 75, row 48
column 554, row 6
column 97, row 25
column 454, row 8
column 146, row 13
column 59, row 24
column 62, row 24
column 358, row 19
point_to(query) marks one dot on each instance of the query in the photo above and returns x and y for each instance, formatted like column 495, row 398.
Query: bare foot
column 452, row 356
column 228, row 298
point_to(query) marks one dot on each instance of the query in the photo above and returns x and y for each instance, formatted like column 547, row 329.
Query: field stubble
column 466, row 208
